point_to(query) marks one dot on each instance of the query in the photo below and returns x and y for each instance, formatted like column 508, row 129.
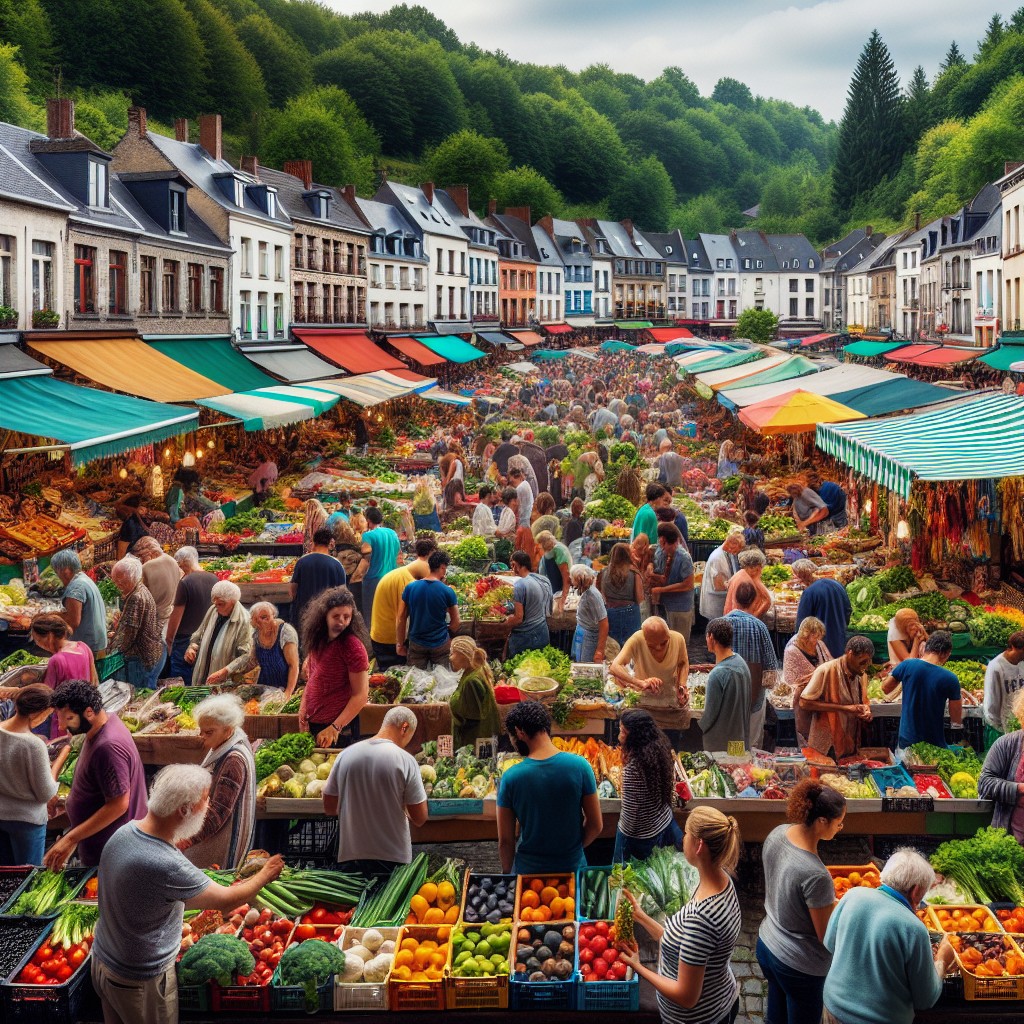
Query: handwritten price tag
column 446, row 745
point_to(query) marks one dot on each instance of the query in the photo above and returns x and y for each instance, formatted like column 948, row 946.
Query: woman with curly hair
column 646, row 820
column 336, row 643
column 622, row 587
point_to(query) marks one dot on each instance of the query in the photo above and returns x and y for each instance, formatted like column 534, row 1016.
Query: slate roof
column 697, row 257
column 387, row 218
column 718, row 247
column 564, row 232
column 754, row 246
column 444, row 202
column 520, row 231
column 21, row 178
column 795, row 247
column 290, row 195
column 544, row 245
column 670, row 246
column 622, row 245
column 426, row 218
column 832, row 254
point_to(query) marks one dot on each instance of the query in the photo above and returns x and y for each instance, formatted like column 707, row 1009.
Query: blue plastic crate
column 292, row 998
column 896, row 776
column 602, row 996
column 542, row 995
column 77, row 877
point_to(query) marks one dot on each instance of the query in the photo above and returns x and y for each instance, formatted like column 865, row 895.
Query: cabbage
column 315, row 788
column 308, row 766
column 293, row 788
column 533, row 665
column 377, row 969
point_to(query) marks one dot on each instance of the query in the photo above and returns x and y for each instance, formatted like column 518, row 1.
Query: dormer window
column 239, row 192
column 796, row 264
column 746, row 264
column 99, row 184
column 176, row 218
column 271, row 202
column 810, row 264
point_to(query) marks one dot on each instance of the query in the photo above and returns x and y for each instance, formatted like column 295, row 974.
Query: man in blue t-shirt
column 313, row 574
column 380, row 550
column 673, row 583
column 834, row 497
column 550, row 793
column 926, row 688
column 424, row 630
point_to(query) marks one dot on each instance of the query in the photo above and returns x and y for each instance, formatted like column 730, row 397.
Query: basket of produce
column 478, row 979
column 11, row 880
column 369, row 957
column 540, row 688
column 545, row 898
column 224, row 964
column 605, row 982
column 970, row 917
column 44, row 892
column 1011, row 920
column 992, row 966
column 305, row 975
column 852, row 876
column 488, row 899
column 437, row 899
column 388, row 904
column 422, row 958
column 852, row 788
column 929, row 784
column 545, row 968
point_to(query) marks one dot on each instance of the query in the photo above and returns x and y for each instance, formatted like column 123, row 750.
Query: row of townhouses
column 166, row 236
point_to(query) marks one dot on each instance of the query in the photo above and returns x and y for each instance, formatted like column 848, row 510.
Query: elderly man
column 721, row 566
column 84, row 610
column 483, row 515
column 878, row 945
column 752, row 562
column 147, row 884
column 670, row 465
column 673, row 580
column 837, row 698
column 660, row 667
column 191, row 600
column 753, row 643
column 223, row 640
column 161, row 574
column 824, row 599
column 137, row 633
column 809, row 511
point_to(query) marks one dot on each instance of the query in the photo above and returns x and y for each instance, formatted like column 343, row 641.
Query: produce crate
column 897, row 776
column 48, row 1004
column 1009, row 987
column 421, row 996
column 239, row 998
column 110, row 666
column 193, row 998
column 292, row 998
column 934, row 923
column 489, row 993
column 13, row 879
column 559, row 878
column 361, row 995
column 845, row 870
column 470, row 879
column 542, row 995
column 605, row 996
column 588, row 880
column 917, row 773
column 313, row 839
column 77, row 877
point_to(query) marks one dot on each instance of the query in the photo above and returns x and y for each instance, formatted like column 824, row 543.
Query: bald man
column 670, row 465
column 654, row 662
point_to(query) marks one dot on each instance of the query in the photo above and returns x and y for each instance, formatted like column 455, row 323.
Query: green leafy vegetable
column 989, row 866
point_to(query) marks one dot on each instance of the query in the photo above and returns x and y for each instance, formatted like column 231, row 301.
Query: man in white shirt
column 507, row 521
column 1004, row 676
column 518, row 480
column 483, row 516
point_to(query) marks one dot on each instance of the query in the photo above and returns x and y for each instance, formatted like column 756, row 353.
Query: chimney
column 492, row 207
column 210, row 135
column 427, row 188
column 628, row 225
column 181, row 129
column 60, row 118
column 519, row 212
column 250, row 165
column 868, row 230
column 301, row 169
column 917, row 221
column 137, row 121
column 548, row 224
column 460, row 196
column 348, row 193
column 1012, row 165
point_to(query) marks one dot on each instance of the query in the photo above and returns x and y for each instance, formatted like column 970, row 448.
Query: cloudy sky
column 803, row 51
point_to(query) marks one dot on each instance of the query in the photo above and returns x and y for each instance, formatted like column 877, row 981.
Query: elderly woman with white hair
column 275, row 649
column 222, row 643
column 805, row 651
column 230, row 822
column 591, row 617
column 878, row 944
column 137, row 634
column 752, row 562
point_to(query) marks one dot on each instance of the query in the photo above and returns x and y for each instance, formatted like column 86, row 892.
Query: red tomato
column 600, row 967
column 617, row 971
column 586, row 955
column 42, row 954
column 598, row 944
column 586, row 970
column 76, row 956
column 304, row 931
column 65, row 972
column 587, row 932
column 317, row 915
column 602, row 928
column 610, row 955
column 281, row 927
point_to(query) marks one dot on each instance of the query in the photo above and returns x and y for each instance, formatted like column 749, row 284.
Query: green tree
column 285, row 64
column 758, row 325
column 15, row 106
column 730, row 91
column 438, row 107
column 312, row 25
column 523, row 186
column 467, row 158
column 25, row 24
column 872, row 136
column 343, row 108
column 1016, row 23
column 976, row 84
column 643, row 194
column 918, row 107
column 953, row 59
column 93, row 123
column 994, row 34
column 703, row 213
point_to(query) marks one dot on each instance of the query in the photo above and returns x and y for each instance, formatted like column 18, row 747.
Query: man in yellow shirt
column 388, row 596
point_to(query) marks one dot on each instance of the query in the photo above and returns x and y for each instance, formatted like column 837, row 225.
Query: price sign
column 446, row 745
column 736, row 748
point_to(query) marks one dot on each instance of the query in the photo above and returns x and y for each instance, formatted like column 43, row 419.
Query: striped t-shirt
column 643, row 815
column 703, row 934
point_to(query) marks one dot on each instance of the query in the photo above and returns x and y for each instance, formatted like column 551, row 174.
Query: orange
column 434, row 973
column 435, row 915
column 409, row 943
column 412, row 919
column 438, row 959
column 404, row 957
column 570, row 907
column 526, row 914
column 563, row 890
column 419, row 906
column 536, row 884
column 557, row 908
column 429, row 892
column 443, row 932
column 419, row 976
column 403, row 973
column 451, row 915
column 542, row 914
column 530, row 898
column 428, row 944
column 547, row 894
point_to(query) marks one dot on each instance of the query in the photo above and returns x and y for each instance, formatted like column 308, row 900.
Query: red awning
column 934, row 355
column 666, row 334
column 416, row 351
column 910, row 353
column 353, row 350
column 816, row 339
column 528, row 338
column 557, row 328
column 410, row 375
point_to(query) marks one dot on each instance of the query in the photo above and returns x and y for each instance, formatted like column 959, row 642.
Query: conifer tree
column 919, row 106
column 995, row 32
column 953, row 59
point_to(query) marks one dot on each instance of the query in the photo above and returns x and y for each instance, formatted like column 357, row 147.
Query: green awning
column 550, row 353
column 95, row 424
column 870, row 349
column 278, row 406
column 888, row 396
column 453, row 349
column 617, row 346
column 798, row 366
column 1003, row 357
column 725, row 360
column 633, row 325
column 216, row 359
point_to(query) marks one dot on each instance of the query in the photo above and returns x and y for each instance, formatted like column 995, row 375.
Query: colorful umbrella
column 795, row 412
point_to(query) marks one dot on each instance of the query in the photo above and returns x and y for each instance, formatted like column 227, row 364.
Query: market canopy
column 353, row 350
column 15, row 363
column 817, row 339
column 790, row 368
column 436, row 394
column 95, row 424
column 499, row 340
column 130, row 365
column 846, row 377
column 634, row 325
column 724, row 360
column 404, row 379
column 934, row 355
column 449, row 347
column 522, row 367
column 617, row 346
column 259, row 411
column 216, row 359
column 370, row 389
column 528, row 338
column 293, row 363
column 653, row 349
column 557, row 328
column 726, row 375
column 1004, row 357
column 552, row 353
column 980, row 438
column 871, row 349
column 796, row 412
column 666, row 334
column 416, row 351
column 898, row 395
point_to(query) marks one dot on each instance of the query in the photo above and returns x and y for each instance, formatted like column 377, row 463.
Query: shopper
column 672, row 587
column 588, row 645
column 824, row 599
column 721, row 566
column 927, row 687
column 137, row 633
column 646, row 521
column 835, row 500
column 1001, row 780
column 836, row 697
column 524, row 494
column 376, row 791
column 752, row 562
column 753, row 535
column 263, row 478
column 551, row 795
column 221, row 645
column 161, row 574
column 670, row 465
column 69, row 659
column 337, row 681
column 483, row 516
column 799, row 899
column 384, row 618
column 753, row 643
column 227, row 832
column 805, row 652
column 906, row 636
column 726, row 715
column 147, row 883
column 379, row 555
column 808, row 510
column 694, row 981
column 27, row 781
column 84, row 608
column 623, row 591
column 531, row 603
column 474, row 710
column 574, row 524
column 428, row 616
column 109, row 786
column 646, row 820
column 883, row 970
column 191, row 601
column 1004, row 678
column 314, row 573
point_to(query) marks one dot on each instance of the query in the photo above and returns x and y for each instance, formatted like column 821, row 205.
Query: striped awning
column 721, row 378
column 724, row 360
column 980, row 438
column 829, row 382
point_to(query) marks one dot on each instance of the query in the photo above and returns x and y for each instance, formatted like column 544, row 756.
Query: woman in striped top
column 694, row 982
column 646, row 819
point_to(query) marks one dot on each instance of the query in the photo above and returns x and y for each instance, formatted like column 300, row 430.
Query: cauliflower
column 372, row 939
column 315, row 788
column 377, row 969
column 427, row 773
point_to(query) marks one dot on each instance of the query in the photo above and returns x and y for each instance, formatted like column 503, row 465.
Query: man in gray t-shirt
column 726, row 714
column 808, row 509
column 84, row 610
column 375, row 789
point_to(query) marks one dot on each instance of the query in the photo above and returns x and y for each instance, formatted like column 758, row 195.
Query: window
column 246, row 270
column 261, row 314
column 117, row 281
column 98, row 172
column 42, row 275
column 271, row 203
column 245, row 317
column 170, row 291
column 796, row 264
column 758, row 285
column 279, row 312
column 279, row 262
column 732, row 309
column 759, row 264
column 451, row 261
column 195, row 287
column 746, row 264
column 794, row 284
column 239, row 193
column 264, row 261
column 720, row 264
column 809, row 284
column 6, row 293
column 729, row 264
column 810, row 264
column 216, row 290
column 721, row 286
column 176, row 221
column 794, row 307
column 808, row 307
column 85, row 279
column 682, row 284
column 462, row 263
column 440, row 261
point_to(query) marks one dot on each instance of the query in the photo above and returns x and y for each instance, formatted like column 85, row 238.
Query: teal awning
column 1003, row 357
column 215, row 359
column 95, row 424
column 870, row 349
column 724, row 360
column 890, row 396
column 266, row 408
column 633, row 325
column 798, row 366
column 981, row 438
column 453, row 349
column 617, row 346
column 550, row 353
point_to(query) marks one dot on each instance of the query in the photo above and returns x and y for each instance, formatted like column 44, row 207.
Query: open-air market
column 539, row 540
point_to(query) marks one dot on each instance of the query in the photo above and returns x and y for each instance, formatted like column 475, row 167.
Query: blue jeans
column 179, row 666
column 640, row 849
column 623, row 622
column 21, row 843
column 793, row 997
column 531, row 638
column 584, row 645
column 136, row 673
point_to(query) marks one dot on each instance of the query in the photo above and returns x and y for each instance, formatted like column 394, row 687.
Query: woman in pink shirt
column 69, row 659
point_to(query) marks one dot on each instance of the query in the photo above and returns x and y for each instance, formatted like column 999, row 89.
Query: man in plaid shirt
column 753, row 643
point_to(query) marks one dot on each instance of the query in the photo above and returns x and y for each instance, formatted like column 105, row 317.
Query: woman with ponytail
column 799, row 900
column 694, row 982
column 474, row 709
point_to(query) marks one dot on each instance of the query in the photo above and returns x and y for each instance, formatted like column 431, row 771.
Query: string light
column 211, row 443
column 199, row 453
column 167, row 453
column 123, row 474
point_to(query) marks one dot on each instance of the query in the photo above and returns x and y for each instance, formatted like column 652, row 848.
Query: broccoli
column 216, row 958
column 310, row 964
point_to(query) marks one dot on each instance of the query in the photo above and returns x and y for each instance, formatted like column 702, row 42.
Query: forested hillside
column 400, row 92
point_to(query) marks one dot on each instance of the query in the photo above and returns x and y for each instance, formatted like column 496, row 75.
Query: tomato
column 65, row 972
column 76, row 956
column 42, row 954
column 281, row 927
column 617, row 972
column 586, row 970
column 602, row 928
column 610, row 955
column 318, row 915
column 586, row 955
column 587, row 932
column 304, row 931
column 600, row 967
column 598, row 944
